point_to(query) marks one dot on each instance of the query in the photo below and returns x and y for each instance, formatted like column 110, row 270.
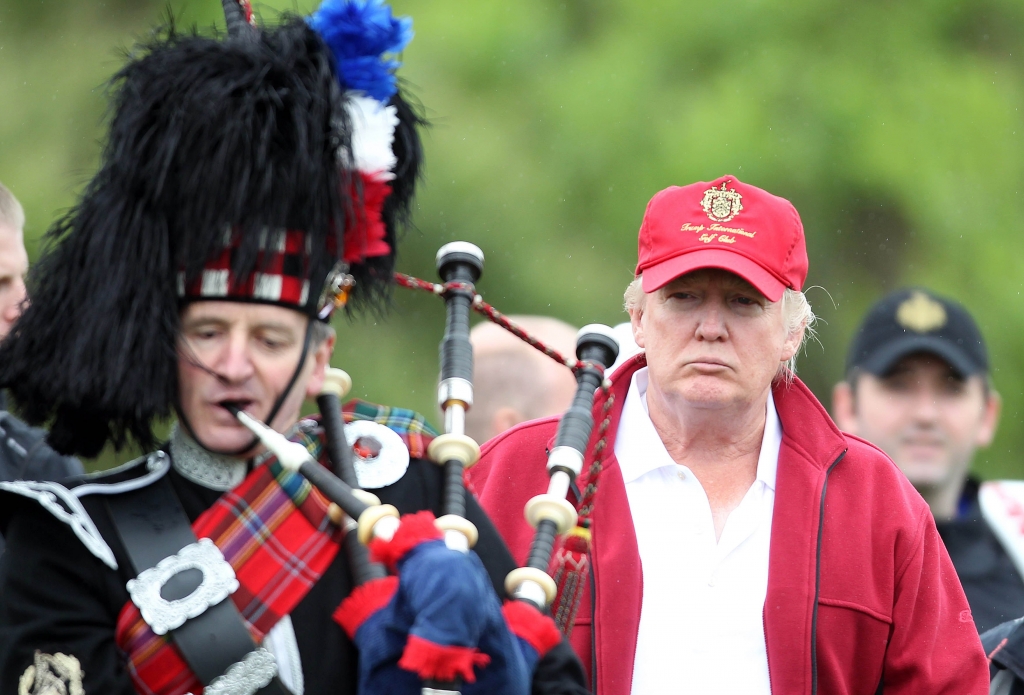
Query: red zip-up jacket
column 862, row 597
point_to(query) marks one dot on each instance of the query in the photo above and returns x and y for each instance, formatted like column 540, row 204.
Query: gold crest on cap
column 921, row 313
column 720, row 204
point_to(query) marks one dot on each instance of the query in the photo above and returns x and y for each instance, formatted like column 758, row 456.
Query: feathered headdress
column 249, row 168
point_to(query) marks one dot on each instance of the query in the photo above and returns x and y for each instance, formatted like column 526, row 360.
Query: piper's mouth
column 234, row 407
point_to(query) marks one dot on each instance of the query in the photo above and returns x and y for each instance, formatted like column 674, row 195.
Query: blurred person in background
column 24, row 452
column 513, row 382
column 13, row 260
column 738, row 541
column 917, row 386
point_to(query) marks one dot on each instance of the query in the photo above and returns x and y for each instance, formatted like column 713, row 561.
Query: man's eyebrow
column 198, row 321
column 273, row 326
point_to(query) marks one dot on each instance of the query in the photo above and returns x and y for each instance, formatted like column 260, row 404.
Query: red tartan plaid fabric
column 274, row 530
column 414, row 430
column 282, row 275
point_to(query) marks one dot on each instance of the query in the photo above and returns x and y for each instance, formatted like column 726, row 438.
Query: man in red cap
column 738, row 541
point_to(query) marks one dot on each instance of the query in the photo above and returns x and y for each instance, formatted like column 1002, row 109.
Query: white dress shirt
column 702, row 618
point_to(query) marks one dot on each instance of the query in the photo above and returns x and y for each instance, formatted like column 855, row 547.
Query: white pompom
column 373, row 132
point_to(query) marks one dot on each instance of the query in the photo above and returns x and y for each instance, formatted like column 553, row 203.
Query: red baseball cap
column 724, row 224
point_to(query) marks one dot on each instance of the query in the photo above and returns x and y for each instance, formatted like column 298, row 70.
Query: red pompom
column 576, row 543
column 415, row 529
column 366, row 237
column 363, row 602
column 440, row 662
column 529, row 624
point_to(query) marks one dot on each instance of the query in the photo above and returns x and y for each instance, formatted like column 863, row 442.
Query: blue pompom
column 360, row 33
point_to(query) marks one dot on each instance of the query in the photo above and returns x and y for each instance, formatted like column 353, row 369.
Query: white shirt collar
column 638, row 436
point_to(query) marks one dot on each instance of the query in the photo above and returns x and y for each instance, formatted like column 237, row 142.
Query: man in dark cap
column 246, row 185
column 917, row 386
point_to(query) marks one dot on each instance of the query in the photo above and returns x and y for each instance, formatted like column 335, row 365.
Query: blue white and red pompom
column 362, row 34
column 364, row 38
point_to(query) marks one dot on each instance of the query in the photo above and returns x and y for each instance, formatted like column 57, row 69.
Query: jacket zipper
column 817, row 580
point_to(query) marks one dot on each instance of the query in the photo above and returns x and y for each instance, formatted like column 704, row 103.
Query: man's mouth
column 707, row 363
column 927, row 447
column 234, row 405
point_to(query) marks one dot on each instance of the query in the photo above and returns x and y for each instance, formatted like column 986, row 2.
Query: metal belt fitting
column 218, row 583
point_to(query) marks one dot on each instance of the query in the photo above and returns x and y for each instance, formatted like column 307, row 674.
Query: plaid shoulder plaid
column 412, row 427
column 274, row 530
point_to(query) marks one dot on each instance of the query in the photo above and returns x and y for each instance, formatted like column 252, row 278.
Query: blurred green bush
column 895, row 128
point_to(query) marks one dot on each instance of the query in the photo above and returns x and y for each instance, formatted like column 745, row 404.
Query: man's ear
column 635, row 314
column 844, row 407
column 792, row 343
column 989, row 419
column 321, row 359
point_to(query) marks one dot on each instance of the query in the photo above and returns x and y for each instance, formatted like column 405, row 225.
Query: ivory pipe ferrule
column 289, row 454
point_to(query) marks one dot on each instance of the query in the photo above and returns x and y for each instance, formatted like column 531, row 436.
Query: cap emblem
column 720, row 204
column 921, row 313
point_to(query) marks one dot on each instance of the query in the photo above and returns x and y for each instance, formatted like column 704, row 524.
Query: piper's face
column 712, row 340
column 244, row 354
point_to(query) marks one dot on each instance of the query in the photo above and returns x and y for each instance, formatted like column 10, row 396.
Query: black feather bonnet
column 217, row 150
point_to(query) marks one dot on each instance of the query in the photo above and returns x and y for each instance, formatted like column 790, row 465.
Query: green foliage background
column 894, row 127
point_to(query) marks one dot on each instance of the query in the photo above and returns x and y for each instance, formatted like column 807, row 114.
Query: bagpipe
column 424, row 614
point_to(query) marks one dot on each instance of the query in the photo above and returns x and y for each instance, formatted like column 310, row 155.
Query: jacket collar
column 806, row 424
column 811, row 445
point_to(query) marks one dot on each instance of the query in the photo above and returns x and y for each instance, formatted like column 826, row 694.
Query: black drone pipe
column 551, row 513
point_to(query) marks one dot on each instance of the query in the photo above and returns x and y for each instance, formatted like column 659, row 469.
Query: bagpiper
column 248, row 185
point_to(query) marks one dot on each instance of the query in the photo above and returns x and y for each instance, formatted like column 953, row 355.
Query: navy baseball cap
column 912, row 321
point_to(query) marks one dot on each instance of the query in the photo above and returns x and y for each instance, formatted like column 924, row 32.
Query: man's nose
column 711, row 324
column 926, row 405
column 234, row 363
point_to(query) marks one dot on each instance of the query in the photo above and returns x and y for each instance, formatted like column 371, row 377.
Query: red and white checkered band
column 281, row 276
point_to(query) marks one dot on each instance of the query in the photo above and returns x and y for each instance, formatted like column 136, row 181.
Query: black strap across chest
column 153, row 525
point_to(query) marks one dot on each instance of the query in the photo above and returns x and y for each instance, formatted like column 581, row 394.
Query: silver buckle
column 218, row 583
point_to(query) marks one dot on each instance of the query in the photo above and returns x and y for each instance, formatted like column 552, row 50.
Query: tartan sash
column 274, row 530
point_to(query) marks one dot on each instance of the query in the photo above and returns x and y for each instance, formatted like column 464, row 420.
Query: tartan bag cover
column 274, row 530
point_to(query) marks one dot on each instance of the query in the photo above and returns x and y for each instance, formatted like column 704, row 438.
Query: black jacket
column 991, row 581
column 25, row 455
column 56, row 596
column 1004, row 646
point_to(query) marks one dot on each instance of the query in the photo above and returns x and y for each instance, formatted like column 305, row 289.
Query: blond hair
column 11, row 212
column 796, row 314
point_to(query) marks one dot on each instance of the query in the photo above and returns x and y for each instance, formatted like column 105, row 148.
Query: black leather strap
column 152, row 526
